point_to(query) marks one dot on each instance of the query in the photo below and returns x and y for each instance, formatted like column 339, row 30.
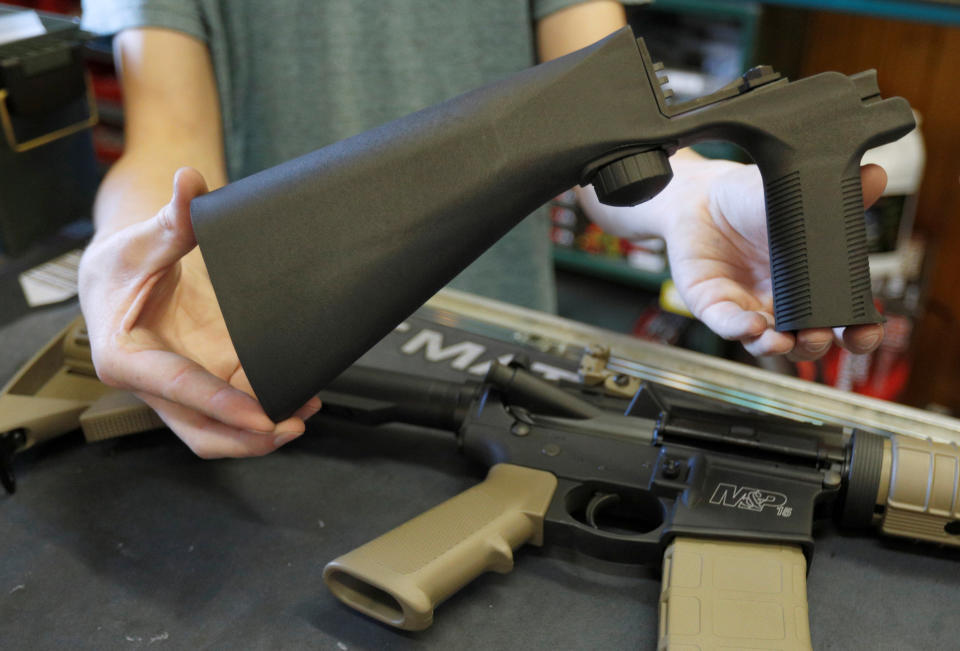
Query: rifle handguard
column 920, row 490
column 400, row 577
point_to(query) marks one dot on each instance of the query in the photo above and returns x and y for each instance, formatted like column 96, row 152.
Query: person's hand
column 713, row 219
column 155, row 329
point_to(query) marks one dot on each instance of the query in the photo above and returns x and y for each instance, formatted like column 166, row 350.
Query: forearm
column 172, row 120
column 577, row 26
column 139, row 184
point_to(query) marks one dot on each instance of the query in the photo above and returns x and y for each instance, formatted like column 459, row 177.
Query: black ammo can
column 48, row 174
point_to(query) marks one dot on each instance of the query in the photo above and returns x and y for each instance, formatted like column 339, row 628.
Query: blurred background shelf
column 606, row 268
column 942, row 12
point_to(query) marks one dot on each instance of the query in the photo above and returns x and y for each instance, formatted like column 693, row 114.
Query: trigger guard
column 564, row 527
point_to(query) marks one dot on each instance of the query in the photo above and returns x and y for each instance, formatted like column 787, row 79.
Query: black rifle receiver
column 339, row 245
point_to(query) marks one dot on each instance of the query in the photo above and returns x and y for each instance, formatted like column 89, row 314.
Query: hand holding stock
column 713, row 219
column 155, row 329
column 735, row 210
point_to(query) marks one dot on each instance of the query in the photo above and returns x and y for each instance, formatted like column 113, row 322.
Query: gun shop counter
column 136, row 543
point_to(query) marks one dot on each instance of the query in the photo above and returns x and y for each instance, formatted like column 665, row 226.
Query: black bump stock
column 324, row 254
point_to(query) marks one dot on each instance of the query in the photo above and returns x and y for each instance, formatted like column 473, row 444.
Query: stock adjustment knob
column 633, row 179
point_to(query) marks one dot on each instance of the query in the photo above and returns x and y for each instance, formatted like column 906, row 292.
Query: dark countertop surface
column 136, row 543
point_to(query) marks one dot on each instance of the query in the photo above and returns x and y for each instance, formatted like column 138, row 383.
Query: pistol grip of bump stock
column 809, row 158
column 818, row 247
column 720, row 594
column 400, row 577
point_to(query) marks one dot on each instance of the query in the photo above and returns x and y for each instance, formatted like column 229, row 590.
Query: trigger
column 597, row 504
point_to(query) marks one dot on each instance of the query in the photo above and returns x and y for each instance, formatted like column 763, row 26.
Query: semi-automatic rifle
column 620, row 469
column 724, row 498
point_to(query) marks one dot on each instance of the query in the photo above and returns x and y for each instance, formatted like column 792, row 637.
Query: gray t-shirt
column 295, row 76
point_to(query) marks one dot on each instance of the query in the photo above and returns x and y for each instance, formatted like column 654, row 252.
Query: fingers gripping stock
column 400, row 577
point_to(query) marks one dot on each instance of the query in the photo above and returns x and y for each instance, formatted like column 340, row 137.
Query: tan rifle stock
column 58, row 390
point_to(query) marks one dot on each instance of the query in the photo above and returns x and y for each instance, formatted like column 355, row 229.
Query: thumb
column 162, row 240
column 873, row 180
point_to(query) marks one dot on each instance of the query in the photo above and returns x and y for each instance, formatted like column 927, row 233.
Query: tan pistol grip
column 720, row 594
column 400, row 577
column 920, row 490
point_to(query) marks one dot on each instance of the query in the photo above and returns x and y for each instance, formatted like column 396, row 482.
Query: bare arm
column 577, row 26
column 172, row 119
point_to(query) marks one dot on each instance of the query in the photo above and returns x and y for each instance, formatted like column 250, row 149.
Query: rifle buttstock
column 400, row 577
column 58, row 390
column 732, row 594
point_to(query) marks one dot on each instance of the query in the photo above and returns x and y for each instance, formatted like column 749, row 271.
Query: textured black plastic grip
column 818, row 250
